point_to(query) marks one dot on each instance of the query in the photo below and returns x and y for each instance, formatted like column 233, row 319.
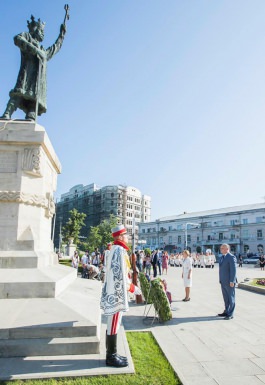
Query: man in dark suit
column 154, row 262
column 227, row 279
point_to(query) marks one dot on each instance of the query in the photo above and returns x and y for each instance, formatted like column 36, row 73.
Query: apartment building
column 98, row 203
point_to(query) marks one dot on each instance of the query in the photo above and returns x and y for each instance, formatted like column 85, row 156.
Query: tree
column 101, row 235
column 73, row 226
column 147, row 251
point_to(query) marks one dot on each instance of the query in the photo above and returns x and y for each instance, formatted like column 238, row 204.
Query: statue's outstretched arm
column 51, row 51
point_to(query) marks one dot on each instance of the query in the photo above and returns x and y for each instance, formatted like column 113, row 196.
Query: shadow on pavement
column 136, row 322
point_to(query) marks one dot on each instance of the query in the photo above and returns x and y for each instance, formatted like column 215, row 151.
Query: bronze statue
column 29, row 93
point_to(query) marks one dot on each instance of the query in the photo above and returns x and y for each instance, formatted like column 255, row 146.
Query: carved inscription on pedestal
column 8, row 161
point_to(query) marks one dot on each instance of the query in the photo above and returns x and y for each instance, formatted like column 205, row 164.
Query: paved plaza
column 202, row 348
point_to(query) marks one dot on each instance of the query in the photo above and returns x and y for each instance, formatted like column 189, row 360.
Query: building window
column 245, row 221
column 179, row 238
column 245, row 234
column 170, row 228
column 208, row 237
column 233, row 222
column 198, row 239
column 153, row 241
column 170, row 240
column 143, row 231
column 258, row 219
column 189, row 238
column 221, row 236
column 259, row 234
column 233, row 236
column 246, row 248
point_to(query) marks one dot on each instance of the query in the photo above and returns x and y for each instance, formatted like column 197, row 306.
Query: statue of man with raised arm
column 29, row 93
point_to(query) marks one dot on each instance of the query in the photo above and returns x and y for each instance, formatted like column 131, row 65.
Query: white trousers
column 113, row 323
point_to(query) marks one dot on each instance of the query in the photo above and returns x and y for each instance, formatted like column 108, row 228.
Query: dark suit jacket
column 154, row 259
column 227, row 269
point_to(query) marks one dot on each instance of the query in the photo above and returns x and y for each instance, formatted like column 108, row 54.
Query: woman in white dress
column 187, row 274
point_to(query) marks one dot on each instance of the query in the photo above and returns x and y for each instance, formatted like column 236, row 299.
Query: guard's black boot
column 118, row 355
column 112, row 358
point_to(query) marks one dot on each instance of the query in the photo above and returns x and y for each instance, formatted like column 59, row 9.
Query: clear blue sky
column 167, row 96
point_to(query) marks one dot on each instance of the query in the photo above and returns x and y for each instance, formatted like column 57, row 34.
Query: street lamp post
column 186, row 232
column 158, row 223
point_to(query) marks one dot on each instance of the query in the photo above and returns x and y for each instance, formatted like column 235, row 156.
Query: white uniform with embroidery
column 117, row 283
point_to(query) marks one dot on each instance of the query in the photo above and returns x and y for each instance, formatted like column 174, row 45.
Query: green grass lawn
column 151, row 368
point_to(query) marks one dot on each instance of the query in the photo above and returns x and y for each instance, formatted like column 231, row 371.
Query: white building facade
column 242, row 227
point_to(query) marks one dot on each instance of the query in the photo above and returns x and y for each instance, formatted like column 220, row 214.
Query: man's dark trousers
column 229, row 299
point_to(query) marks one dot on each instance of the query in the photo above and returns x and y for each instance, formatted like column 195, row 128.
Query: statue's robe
column 31, row 83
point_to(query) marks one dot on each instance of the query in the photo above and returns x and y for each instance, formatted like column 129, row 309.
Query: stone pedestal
column 29, row 269
column 28, row 175
column 70, row 249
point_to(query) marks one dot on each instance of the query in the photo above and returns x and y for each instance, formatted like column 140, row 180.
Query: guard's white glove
column 137, row 291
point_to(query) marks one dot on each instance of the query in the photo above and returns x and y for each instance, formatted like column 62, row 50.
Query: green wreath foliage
column 157, row 296
column 160, row 300
column 145, row 287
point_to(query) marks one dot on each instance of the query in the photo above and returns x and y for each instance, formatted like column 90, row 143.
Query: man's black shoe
column 222, row 314
column 115, row 361
column 228, row 317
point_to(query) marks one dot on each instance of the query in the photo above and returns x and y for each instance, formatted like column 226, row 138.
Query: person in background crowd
column 227, row 279
column 144, row 260
column 159, row 261
column 75, row 260
column 195, row 260
column 154, row 262
column 187, row 274
column 114, row 298
column 202, row 260
column 240, row 261
column 106, row 253
column 164, row 262
column 213, row 260
column 168, row 293
column 262, row 261
column 148, row 264
column 172, row 260
column 139, row 260
column 84, row 263
column 93, row 271
column 177, row 260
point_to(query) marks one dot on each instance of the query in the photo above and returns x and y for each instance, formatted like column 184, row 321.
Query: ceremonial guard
column 114, row 300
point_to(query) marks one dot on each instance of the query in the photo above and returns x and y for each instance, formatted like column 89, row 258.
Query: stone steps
column 46, row 282
column 18, row 262
column 49, row 346
column 68, row 324
column 49, row 331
